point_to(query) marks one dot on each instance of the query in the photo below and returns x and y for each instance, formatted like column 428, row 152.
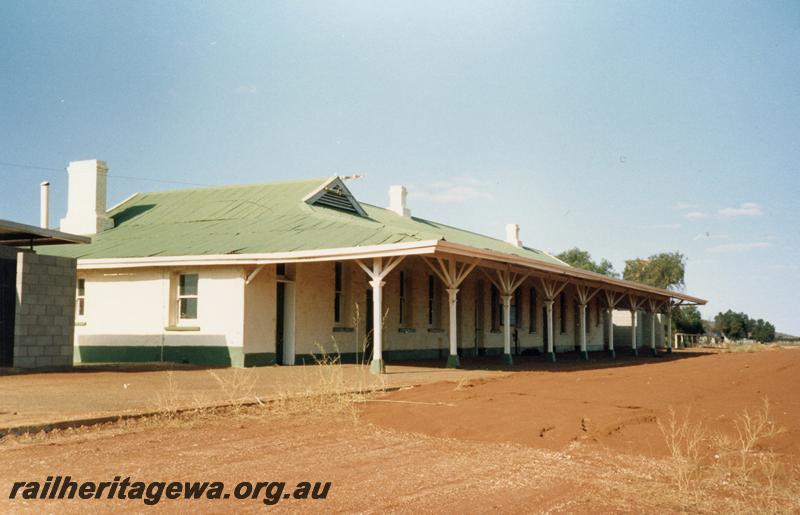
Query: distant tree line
column 667, row 270
column 737, row 326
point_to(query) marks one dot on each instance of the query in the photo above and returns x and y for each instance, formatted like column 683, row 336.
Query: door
column 284, row 323
column 280, row 318
column 369, row 328
column 8, row 307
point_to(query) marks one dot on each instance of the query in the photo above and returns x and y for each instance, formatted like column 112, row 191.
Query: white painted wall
column 132, row 307
column 125, row 307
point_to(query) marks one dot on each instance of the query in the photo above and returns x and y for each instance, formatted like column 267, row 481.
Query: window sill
column 343, row 330
column 435, row 330
column 407, row 330
column 181, row 328
column 80, row 323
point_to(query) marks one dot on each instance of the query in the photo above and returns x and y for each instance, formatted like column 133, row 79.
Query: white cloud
column 745, row 209
column 709, row 236
column 246, row 89
column 695, row 215
column 739, row 247
column 457, row 189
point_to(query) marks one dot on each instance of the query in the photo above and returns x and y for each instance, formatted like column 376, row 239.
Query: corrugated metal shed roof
column 259, row 218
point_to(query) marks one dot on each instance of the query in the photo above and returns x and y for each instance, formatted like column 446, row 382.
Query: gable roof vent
column 334, row 194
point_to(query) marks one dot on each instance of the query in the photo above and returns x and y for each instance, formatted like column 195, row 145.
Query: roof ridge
column 470, row 231
column 233, row 186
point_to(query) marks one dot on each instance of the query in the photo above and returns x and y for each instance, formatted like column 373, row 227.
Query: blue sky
column 624, row 128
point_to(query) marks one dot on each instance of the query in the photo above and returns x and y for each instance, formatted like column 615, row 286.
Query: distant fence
column 683, row 340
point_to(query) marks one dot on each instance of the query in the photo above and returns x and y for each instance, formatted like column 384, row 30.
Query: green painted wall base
column 235, row 357
column 377, row 367
column 654, row 352
column 612, row 353
column 194, row 355
column 585, row 355
column 260, row 359
column 635, row 352
column 470, row 352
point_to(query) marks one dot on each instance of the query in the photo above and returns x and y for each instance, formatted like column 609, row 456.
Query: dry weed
column 746, row 347
column 167, row 403
column 237, row 387
column 324, row 390
column 718, row 473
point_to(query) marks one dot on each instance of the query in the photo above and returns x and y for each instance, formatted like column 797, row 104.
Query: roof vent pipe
column 44, row 205
column 512, row 235
column 397, row 201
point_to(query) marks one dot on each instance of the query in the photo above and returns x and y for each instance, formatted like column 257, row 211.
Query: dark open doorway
column 8, row 306
column 280, row 322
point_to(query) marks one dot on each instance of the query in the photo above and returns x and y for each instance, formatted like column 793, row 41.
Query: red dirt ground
column 579, row 439
column 615, row 408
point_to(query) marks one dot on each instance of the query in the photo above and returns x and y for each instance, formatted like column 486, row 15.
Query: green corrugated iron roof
column 259, row 218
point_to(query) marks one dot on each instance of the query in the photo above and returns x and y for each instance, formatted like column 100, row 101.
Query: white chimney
column 86, row 198
column 44, row 205
column 397, row 200
column 512, row 235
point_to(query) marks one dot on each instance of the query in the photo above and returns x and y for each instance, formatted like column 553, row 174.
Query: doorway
column 8, row 307
column 284, row 323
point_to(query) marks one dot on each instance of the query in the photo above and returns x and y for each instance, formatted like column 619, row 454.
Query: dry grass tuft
column 718, row 473
column 747, row 347
column 237, row 387
column 167, row 403
column 324, row 390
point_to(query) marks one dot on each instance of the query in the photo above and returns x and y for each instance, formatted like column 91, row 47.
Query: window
column 280, row 269
column 598, row 314
column 187, row 297
column 532, row 310
column 496, row 309
column 80, row 298
column 516, row 309
column 337, row 286
column 562, row 312
column 403, row 308
column 432, row 308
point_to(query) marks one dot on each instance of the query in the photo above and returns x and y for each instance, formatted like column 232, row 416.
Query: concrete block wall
column 45, row 313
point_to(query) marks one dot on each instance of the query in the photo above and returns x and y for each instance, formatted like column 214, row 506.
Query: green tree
column 687, row 319
column 733, row 325
column 582, row 259
column 762, row 331
column 665, row 270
